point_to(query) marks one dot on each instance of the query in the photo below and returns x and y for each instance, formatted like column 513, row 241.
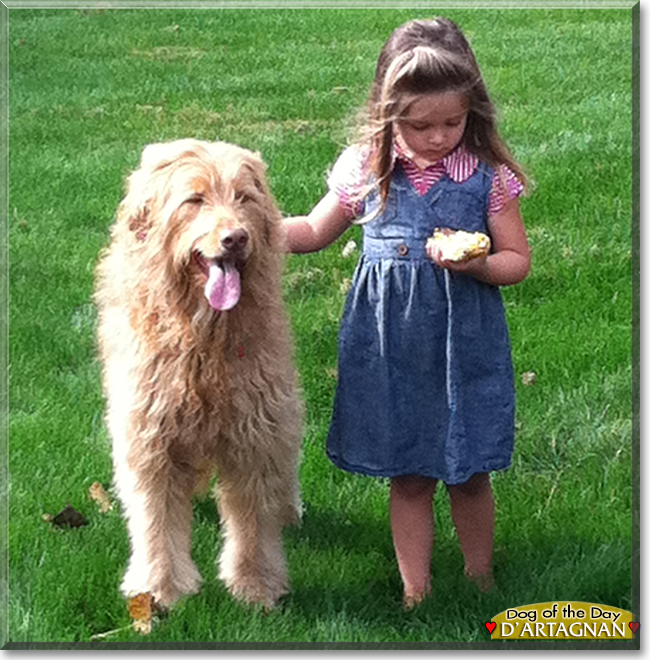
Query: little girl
column 425, row 389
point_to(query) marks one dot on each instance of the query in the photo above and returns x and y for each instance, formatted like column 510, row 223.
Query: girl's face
column 433, row 125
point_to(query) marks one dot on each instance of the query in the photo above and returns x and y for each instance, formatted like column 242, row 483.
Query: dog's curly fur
column 191, row 389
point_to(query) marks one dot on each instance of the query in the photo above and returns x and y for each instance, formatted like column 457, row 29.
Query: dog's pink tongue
column 223, row 287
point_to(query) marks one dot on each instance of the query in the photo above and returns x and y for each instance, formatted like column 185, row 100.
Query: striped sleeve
column 346, row 179
column 505, row 186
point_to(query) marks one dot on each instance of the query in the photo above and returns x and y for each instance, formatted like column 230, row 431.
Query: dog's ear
column 139, row 223
column 271, row 227
column 134, row 212
column 257, row 168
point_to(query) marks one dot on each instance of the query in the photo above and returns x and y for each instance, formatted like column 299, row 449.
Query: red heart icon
column 634, row 626
column 492, row 625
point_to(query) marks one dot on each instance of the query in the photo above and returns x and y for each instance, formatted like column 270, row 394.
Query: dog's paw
column 165, row 588
column 254, row 591
column 252, row 585
column 187, row 579
column 135, row 581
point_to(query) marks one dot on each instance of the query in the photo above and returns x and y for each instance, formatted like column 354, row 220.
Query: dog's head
column 204, row 213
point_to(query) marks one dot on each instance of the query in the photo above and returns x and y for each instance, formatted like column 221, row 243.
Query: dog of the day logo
column 564, row 620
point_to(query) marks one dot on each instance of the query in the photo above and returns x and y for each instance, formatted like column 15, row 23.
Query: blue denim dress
column 425, row 372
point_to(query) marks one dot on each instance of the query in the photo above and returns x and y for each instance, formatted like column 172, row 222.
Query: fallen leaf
column 141, row 609
column 69, row 517
column 529, row 378
column 332, row 372
column 144, row 612
column 99, row 494
column 349, row 249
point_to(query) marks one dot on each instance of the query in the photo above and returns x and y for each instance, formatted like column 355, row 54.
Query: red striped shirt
column 349, row 175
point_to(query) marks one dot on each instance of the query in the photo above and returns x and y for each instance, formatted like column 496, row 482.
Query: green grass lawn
column 89, row 88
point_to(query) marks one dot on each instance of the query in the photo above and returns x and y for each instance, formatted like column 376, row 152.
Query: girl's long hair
column 423, row 57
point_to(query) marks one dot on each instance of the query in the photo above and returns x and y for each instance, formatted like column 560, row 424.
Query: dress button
column 402, row 250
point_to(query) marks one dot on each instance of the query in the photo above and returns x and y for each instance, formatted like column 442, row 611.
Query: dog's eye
column 196, row 199
column 242, row 197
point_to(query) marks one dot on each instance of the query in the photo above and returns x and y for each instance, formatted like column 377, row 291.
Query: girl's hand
column 509, row 261
column 477, row 267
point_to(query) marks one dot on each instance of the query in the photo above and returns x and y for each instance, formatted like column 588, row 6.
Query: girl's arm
column 310, row 233
column 509, row 261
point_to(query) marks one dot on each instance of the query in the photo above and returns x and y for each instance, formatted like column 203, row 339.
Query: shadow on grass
column 346, row 586
column 546, row 569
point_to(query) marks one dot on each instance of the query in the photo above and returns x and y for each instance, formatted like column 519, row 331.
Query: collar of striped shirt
column 460, row 164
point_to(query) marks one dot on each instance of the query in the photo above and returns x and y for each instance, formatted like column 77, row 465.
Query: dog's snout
column 234, row 239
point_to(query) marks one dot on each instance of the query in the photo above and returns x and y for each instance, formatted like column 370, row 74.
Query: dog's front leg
column 156, row 498
column 252, row 562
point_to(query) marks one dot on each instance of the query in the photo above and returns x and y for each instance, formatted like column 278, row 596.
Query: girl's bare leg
column 411, row 515
column 472, row 510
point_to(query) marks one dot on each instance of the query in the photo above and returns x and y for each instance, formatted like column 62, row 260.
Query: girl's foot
column 412, row 600
column 484, row 581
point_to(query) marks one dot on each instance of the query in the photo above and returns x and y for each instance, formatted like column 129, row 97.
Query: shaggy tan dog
column 198, row 370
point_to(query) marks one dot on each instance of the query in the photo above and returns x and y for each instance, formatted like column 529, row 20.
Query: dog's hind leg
column 157, row 504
